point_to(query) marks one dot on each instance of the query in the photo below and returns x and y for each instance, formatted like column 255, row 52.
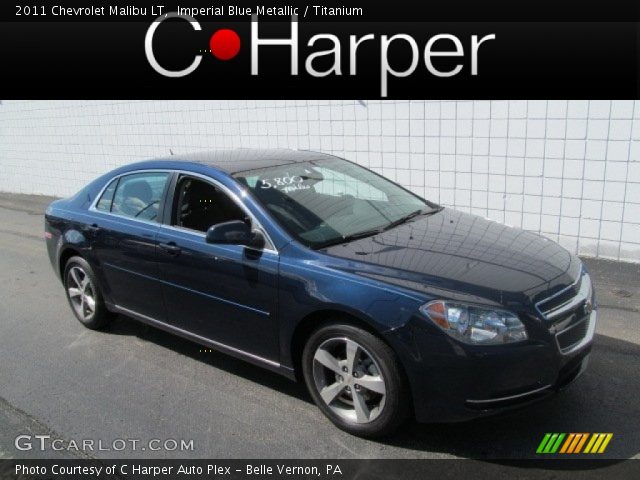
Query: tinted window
column 104, row 204
column 138, row 195
column 322, row 202
column 199, row 205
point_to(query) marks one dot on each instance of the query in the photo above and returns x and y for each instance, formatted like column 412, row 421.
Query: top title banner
column 322, row 10
column 264, row 51
column 211, row 12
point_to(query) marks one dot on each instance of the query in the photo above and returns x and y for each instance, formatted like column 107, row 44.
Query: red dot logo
column 224, row 44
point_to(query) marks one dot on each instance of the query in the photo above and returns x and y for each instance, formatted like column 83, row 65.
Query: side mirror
column 235, row 232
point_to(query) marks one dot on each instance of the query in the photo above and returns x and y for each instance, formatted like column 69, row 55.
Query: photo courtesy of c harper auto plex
column 340, row 241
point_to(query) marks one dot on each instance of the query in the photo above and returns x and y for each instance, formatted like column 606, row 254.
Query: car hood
column 460, row 253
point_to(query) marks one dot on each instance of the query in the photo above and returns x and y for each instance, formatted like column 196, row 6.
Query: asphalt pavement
column 133, row 382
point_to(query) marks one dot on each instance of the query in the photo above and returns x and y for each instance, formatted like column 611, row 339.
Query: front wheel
column 356, row 380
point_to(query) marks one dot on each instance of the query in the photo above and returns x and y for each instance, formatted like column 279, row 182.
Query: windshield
column 328, row 201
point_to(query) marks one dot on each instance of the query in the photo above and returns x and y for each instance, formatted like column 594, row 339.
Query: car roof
column 243, row 159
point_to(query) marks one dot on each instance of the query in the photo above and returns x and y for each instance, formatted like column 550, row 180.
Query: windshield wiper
column 401, row 220
column 411, row 215
column 349, row 238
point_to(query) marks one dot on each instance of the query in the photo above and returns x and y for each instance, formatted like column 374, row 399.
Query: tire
column 336, row 389
column 83, row 294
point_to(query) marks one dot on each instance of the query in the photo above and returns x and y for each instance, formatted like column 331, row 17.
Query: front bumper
column 453, row 382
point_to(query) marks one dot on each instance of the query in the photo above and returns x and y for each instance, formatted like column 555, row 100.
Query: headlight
column 475, row 325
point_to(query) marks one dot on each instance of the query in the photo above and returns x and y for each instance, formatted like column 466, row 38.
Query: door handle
column 94, row 228
column 171, row 248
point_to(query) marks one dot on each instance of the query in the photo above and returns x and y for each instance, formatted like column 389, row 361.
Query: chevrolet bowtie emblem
column 588, row 307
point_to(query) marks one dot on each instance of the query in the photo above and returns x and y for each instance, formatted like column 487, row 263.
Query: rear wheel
column 355, row 379
column 83, row 294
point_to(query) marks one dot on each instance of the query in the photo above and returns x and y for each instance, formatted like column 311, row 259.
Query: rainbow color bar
column 574, row 443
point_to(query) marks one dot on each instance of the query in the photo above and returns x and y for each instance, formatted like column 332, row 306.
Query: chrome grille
column 566, row 301
column 557, row 300
column 570, row 314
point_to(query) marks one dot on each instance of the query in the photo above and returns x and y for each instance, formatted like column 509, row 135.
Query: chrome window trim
column 195, row 233
column 254, row 221
column 92, row 208
column 94, row 204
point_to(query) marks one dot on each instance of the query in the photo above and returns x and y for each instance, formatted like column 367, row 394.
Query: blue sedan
column 387, row 305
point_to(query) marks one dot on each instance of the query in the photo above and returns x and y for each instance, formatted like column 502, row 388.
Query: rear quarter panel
column 65, row 232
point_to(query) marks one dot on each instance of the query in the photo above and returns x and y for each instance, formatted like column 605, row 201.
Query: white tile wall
column 567, row 169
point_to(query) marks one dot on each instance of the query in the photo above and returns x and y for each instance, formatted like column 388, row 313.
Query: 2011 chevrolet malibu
column 387, row 305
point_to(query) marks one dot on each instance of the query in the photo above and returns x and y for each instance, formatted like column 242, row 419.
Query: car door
column 126, row 223
column 224, row 293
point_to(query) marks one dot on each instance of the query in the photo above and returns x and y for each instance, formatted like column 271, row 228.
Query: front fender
column 307, row 288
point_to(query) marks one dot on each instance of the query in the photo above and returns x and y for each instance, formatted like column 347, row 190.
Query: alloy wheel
column 349, row 380
column 81, row 292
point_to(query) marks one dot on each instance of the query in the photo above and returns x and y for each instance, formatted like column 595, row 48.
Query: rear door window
column 104, row 204
column 139, row 195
